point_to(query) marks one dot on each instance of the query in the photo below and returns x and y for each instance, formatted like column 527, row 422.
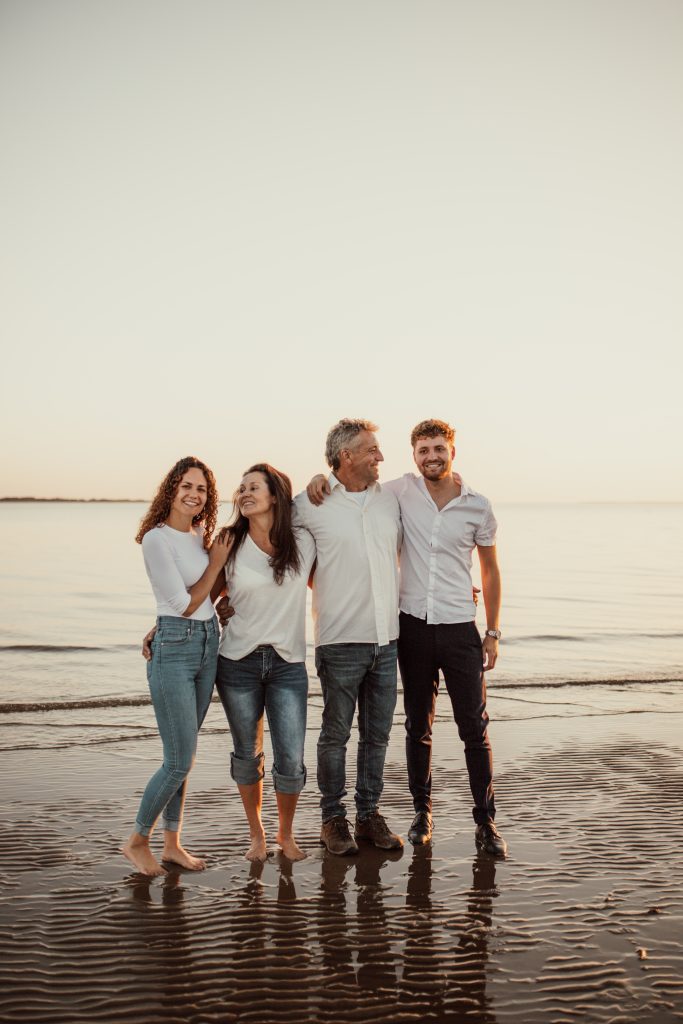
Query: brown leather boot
column 377, row 832
column 336, row 837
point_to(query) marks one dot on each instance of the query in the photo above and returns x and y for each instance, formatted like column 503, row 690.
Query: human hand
column 490, row 652
column 475, row 595
column 317, row 489
column 220, row 549
column 147, row 644
column 224, row 610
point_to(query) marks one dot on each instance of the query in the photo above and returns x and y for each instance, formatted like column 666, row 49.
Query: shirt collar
column 334, row 482
column 464, row 489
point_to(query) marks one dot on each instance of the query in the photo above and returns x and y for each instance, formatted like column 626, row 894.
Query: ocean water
column 593, row 594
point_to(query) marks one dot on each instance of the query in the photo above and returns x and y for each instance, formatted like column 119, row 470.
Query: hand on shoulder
column 317, row 488
column 221, row 547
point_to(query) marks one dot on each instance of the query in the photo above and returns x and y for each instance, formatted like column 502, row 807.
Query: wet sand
column 583, row 921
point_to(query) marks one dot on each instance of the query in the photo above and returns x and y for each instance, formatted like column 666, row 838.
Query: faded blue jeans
column 264, row 682
column 181, row 678
column 362, row 675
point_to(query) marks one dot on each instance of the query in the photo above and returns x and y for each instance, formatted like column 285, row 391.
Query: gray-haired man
column 355, row 612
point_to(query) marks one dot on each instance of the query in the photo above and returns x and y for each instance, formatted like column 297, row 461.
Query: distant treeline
column 81, row 501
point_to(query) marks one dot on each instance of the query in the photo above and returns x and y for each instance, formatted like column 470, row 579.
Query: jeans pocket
column 173, row 636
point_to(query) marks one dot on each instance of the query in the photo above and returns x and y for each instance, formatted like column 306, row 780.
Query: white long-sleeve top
column 174, row 561
column 267, row 612
column 355, row 587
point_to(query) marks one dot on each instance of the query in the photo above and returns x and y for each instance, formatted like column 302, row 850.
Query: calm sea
column 592, row 594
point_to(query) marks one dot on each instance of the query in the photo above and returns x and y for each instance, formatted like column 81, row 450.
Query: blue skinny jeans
column 181, row 678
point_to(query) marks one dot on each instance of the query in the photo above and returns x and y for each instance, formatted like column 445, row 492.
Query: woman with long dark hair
column 263, row 649
column 183, row 566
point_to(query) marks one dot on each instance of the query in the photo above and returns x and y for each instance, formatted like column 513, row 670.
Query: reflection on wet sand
column 450, row 979
column 438, row 934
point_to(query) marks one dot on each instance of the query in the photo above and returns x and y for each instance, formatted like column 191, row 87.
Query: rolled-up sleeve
column 485, row 535
column 164, row 575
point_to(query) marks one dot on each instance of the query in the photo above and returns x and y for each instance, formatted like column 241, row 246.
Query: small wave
column 587, row 637
column 75, row 705
column 16, row 707
column 554, row 683
column 65, row 648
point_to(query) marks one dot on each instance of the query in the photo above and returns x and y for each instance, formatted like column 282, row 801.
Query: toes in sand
column 142, row 859
column 257, row 849
column 179, row 855
column 290, row 848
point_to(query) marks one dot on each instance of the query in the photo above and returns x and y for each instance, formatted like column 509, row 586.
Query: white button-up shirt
column 355, row 587
column 436, row 557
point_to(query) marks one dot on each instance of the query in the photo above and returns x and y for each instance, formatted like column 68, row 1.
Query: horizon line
column 29, row 499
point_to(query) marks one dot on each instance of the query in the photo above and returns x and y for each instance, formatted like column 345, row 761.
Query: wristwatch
column 495, row 633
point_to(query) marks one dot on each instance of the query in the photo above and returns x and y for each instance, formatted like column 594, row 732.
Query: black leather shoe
column 420, row 832
column 489, row 839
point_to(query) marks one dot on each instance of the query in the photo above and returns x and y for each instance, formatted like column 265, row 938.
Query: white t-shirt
column 355, row 587
column 436, row 556
column 174, row 561
column 267, row 612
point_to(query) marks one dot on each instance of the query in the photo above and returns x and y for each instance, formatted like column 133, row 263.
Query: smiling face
column 434, row 457
column 253, row 495
column 190, row 498
column 361, row 462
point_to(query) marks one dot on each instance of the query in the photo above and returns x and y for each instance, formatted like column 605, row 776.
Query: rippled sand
column 583, row 922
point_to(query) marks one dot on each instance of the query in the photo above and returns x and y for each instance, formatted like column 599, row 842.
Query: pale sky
column 226, row 225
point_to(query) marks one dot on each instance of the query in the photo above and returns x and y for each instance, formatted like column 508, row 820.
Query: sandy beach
column 583, row 922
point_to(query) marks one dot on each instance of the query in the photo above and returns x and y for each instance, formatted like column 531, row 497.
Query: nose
column 379, row 457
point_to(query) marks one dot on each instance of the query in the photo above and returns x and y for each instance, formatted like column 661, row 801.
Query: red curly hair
column 160, row 509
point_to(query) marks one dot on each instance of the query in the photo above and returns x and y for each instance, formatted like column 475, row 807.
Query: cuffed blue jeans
column 265, row 682
column 362, row 676
column 181, row 678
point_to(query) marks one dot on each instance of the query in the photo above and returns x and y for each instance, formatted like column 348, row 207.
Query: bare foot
column 142, row 858
column 257, row 850
column 179, row 855
column 289, row 847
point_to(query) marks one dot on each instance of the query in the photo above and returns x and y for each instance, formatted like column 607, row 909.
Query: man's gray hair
column 344, row 435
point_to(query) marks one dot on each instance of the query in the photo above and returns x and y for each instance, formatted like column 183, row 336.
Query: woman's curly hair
column 160, row 509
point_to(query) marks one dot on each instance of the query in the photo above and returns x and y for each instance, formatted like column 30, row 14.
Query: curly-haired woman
column 263, row 649
column 183, row 565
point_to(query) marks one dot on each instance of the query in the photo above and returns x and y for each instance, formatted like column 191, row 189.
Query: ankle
column 137, row 840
